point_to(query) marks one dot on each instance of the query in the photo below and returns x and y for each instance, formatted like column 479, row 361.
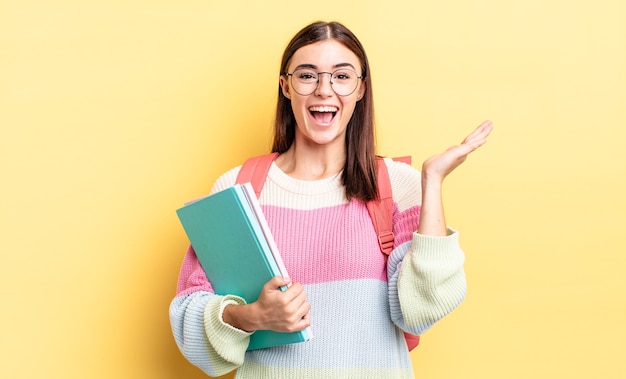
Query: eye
column 343, row 75
column 305, row 76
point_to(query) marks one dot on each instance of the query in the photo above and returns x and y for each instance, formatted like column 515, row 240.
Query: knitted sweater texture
column 360, row 304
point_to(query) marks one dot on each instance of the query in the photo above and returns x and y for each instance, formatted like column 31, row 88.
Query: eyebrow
column 312, row 66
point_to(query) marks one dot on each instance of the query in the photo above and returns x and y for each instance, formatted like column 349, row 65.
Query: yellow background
column 113, row 113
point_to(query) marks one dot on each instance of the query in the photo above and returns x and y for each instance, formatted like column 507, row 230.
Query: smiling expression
column 322, row 117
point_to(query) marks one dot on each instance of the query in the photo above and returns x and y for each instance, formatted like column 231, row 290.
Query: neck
column 311, row 164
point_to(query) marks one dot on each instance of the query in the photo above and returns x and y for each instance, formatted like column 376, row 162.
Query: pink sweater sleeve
column 192, row 277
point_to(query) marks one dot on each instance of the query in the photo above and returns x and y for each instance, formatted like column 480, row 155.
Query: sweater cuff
column 436, row 243
column 229, row 342
column 438, row 250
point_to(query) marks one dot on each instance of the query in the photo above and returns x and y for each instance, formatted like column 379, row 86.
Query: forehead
column 324, row 55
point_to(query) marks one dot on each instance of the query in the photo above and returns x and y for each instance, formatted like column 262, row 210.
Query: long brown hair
column 359, row 174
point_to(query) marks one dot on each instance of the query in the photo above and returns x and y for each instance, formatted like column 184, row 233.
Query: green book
column 237, row 251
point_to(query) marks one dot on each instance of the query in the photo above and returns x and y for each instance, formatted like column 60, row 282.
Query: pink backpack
column 255, row 170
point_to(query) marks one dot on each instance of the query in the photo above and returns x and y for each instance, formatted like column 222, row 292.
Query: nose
column 324, row 87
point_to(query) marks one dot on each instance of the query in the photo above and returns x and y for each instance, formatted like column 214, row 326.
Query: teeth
column 323, row 109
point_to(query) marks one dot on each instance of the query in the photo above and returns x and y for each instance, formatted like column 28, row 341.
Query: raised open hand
column 438, row 166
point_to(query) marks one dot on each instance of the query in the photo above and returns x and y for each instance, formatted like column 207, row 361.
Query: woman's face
column 322, row 116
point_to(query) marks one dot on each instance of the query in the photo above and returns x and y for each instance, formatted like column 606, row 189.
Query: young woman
column 356, row 302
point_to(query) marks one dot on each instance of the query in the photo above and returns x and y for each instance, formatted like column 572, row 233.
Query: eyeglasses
column 305, row 81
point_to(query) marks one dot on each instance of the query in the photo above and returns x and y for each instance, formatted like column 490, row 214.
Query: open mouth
column 323, row 114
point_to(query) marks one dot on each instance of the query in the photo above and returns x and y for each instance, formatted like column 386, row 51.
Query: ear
column 361, row 91
column 284, row 85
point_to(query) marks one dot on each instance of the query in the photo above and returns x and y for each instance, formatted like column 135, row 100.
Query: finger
column 300, row 298
column 302, row 323
column 299, row 309
column 468, row 147
column 482, row 131
column 294, row 292
column 304, row 310
column 478, row 139
column 464, row 149
column 485, row 129
column 306, row 320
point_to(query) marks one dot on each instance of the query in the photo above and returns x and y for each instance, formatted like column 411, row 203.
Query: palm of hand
column 440, row 165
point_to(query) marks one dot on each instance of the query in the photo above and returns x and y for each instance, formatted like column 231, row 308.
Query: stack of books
column 237, row 251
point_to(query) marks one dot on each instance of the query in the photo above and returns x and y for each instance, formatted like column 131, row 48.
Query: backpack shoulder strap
column 381, row 209
column 381, row 213
column 254, row 170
